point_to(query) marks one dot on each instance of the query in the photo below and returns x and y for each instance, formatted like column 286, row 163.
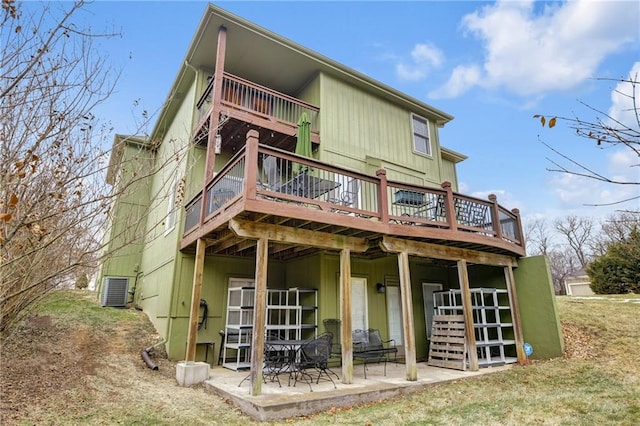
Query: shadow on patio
column 289, row 401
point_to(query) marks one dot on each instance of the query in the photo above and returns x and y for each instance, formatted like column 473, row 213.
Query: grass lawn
column 596, row 382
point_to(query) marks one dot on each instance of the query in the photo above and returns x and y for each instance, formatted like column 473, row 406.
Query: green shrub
column 82, row 282
column 618, row 270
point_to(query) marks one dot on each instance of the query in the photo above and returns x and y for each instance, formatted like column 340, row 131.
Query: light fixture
column 380, row 288
column 218, row 145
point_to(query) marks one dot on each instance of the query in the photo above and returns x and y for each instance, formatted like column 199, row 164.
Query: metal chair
column 348, row 197
column 312, row 365
column 275, row 361
column 332, row 325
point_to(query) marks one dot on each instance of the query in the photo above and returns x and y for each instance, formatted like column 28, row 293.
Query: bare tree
column 577, row 232
column 55, row 156
column 562, row 263
column 539, row 237
column 615, row 228
column 604, row 131
column 51, row 78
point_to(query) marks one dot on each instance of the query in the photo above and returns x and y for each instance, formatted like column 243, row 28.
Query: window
column 170, row 219
column 421, row 143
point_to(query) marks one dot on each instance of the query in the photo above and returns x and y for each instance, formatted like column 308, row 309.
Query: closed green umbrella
column 303, row 146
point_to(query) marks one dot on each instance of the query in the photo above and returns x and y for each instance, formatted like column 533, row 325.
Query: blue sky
column 492, row 65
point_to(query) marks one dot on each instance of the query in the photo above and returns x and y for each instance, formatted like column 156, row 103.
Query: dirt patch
column 579, row 343
column 56, row 371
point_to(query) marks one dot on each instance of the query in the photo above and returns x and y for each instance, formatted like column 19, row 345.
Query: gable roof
column 270, row 51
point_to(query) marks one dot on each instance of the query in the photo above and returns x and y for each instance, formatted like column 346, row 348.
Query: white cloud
column 530, row 51
column 624, row 167
column 504, row 197
column 622, row 97
column 462, row 79
column 579, row 192
column 424, row 57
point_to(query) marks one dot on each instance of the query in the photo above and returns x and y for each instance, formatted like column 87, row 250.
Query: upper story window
column 170, row 218
column 421, row 141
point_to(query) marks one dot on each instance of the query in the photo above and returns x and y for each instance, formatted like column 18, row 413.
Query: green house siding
column 356, row 123
column 126, row 227
column 448, row 173
column 538, row 309
column 195, row 166
column 158, row 262
column 310, row 93
column 217, row 272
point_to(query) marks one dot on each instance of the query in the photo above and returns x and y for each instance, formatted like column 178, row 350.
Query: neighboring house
column 371, row 224
column 578, row 284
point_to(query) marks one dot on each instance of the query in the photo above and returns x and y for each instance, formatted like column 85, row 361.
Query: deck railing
column 253, row 98
column 284, row 177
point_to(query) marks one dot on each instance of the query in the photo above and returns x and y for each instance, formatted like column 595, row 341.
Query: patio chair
column 272, row 172
column 348, row 197
column 275, row 361
column 369, row 347
column 312, row 365
column 332, row 325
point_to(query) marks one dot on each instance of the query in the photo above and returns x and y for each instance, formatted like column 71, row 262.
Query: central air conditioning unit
column 115, row 292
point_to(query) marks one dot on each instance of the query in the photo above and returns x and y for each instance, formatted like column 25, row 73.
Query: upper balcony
column 246, row 105
column 268, row 185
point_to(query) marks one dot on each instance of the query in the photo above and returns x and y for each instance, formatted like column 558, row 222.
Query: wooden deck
column 275, row 188
column 246, row 105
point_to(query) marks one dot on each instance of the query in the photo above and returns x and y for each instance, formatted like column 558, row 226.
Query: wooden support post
column 192, row 333
column 251, row 165
column 259, row 316
column 214, row 118
column 450, row 207
column 383, row 199
column 345, row 316
column 216, row 96
column 467, row 311
column 520, row 235
column 407, row 317
column 495, row 216
column 515, row 314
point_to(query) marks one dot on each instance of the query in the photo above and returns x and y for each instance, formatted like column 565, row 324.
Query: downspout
column 132, row 292
column 144, row 354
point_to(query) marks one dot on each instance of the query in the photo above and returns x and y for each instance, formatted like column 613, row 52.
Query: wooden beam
column 407, row 317
column 195, row 301
column 259, row 316
column 515, row 314
column 284, row 234
column 216, row 96
column 467, row 312
column 345, row 317
column 435, row 251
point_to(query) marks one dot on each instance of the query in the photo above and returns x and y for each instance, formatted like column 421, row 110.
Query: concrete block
column 190, row 373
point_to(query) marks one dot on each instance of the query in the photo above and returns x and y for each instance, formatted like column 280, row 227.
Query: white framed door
column 394, row 312
column 359, row 308
column 427, row 294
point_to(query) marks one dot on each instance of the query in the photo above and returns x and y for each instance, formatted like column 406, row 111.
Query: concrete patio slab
column 279, row 402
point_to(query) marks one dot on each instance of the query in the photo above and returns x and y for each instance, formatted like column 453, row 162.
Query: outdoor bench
column 369, row 347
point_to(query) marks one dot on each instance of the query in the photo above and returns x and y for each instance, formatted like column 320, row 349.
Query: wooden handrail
column 494, row 222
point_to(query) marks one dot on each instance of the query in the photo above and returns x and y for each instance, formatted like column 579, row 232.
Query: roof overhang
column 451, row 155
column 117, row 151
column 258, row 55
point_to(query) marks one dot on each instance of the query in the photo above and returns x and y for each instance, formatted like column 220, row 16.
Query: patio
column 289, row 401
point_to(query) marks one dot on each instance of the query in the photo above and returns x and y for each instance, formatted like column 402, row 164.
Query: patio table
column 291, row 348
column 308, row 186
